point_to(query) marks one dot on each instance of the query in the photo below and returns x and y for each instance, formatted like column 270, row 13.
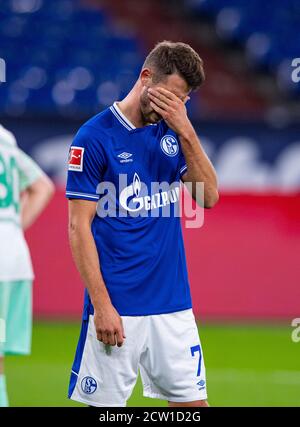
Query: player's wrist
column 101, row 302
column 188, row 133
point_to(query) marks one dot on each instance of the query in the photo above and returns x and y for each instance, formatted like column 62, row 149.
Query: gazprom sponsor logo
column 150, row 199
column 131, row 200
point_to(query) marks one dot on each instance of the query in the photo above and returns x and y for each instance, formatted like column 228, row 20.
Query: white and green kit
column 17, row 172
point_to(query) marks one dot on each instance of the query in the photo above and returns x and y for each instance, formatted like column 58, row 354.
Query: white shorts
column 165, row 347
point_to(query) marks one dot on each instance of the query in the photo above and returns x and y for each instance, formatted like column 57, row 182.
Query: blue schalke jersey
column 134, row 176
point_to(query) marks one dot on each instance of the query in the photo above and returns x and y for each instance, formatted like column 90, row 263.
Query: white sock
column 3, row 392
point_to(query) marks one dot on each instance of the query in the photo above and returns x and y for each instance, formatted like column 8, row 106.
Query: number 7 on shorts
column 194, row 350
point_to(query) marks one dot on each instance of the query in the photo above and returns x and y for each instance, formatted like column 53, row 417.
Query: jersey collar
column 120, row 116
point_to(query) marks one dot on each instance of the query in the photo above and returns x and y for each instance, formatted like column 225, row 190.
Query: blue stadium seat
column 50, row 45
column 268, row 30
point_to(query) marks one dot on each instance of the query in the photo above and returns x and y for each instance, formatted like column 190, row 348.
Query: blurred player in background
column 140, row 298
column 24, row 192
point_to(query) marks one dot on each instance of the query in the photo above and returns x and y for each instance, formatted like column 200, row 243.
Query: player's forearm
column 87, row 262
column 199, row 167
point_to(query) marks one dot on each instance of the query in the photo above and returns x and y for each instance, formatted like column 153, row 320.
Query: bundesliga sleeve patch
column 76, row 159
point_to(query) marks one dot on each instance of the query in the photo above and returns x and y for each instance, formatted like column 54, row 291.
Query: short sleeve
column 29, row 171
column 85, row 166
column 182, row 164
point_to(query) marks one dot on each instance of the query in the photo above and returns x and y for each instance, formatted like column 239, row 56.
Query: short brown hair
column 169, row 57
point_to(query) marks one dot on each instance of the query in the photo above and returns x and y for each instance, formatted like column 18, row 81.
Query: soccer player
column 138, row 310
column 24, row 192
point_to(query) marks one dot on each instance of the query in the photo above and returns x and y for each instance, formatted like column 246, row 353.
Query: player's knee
column 195, row 403
column 203, row 403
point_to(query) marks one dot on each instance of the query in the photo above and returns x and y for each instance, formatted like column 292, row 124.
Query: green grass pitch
column 256, row 365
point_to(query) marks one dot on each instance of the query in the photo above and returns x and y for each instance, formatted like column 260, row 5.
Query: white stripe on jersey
column 119, row 118
column 75, row 193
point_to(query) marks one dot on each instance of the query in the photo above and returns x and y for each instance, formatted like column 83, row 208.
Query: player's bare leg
column 195, row 403
column 3, row 393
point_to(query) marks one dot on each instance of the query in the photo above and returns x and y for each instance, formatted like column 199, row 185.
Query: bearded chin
column 149, row 115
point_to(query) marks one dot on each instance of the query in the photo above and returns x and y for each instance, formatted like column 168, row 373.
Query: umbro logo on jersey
column 125, row 157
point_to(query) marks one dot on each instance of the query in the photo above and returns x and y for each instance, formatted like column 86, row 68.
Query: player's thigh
column 16, row 312
column 104, row 375
column 173, row 365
